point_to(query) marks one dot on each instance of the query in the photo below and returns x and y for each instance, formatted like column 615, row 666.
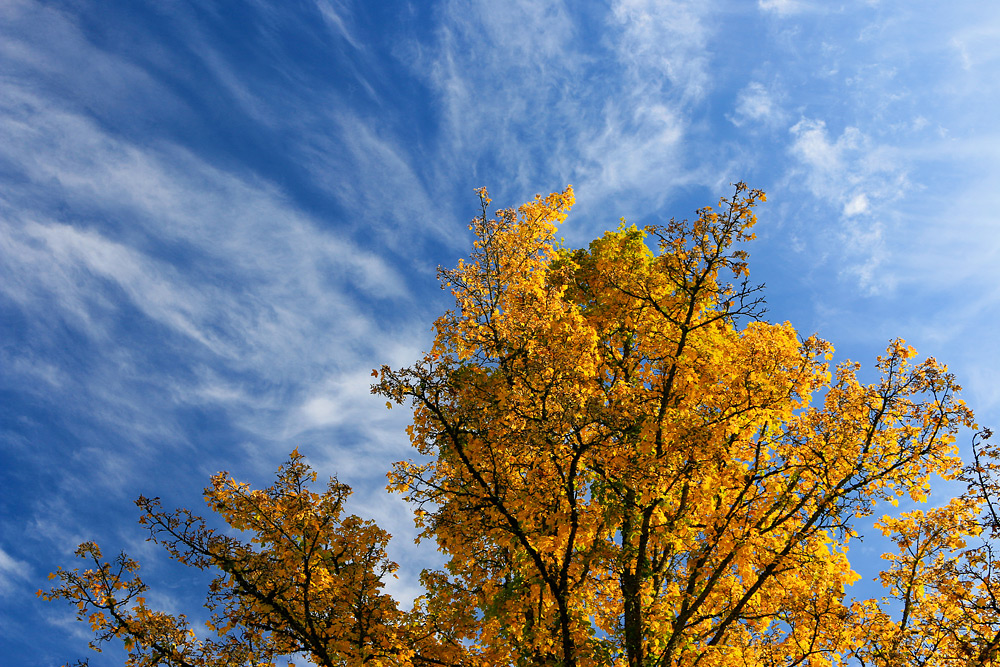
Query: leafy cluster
column 623, row 465
column 310, row 580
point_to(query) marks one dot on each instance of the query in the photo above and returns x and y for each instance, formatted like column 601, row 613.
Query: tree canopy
column 623, row 464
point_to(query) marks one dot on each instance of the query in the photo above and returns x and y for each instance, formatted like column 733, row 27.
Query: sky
column 216, row 218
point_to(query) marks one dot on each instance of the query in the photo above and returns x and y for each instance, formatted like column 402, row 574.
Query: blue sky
column 217, row 217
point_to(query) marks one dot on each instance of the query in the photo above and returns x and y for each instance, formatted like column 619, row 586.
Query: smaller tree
column 943, row 579
column 309, row 581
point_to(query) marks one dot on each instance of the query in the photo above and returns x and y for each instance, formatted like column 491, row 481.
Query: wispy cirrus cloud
column 12, row 573
column 978, row 45
column 782, row 6
column 190, row 287
column 757, row 106
column 336, row 15
column 838, row 168
column 177, row 307
column 489, row 91
column 234, row 222
column 152, row 283
column 537, row 97
column 861, row 178
column 391, row 201
column 663, row 46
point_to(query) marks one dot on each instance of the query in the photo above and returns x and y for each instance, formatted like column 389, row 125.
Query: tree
column 622, row 470
column 310, row 580
column 623, row 465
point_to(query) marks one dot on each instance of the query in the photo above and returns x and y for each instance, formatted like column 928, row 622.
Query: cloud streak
column 12, row 573
column 860, row 178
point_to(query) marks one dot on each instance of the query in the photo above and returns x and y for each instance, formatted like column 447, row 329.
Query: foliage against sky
column 215, row 219
column 622, row 466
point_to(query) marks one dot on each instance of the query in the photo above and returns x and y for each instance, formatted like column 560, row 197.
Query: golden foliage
column 309, row 581
column 624, row 465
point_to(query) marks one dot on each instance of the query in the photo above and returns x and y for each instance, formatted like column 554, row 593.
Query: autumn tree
column 944, row 578
column 309, row 581
column 623, row 465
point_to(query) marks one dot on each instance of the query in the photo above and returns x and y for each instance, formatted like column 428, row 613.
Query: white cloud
column 813, row 146
column 863, row 180
column 526, row 95
column 341, row 397
column 978, row 46
column 12, row 573
column 528, row 30
column 107, row 84
column 153, row 287
column 857, row 205
column 866, row 256
column 174, row 196
column 375, row 178
column 499, row 71
column 262, row 299
column 638, row 153
column 334, row 16
column 781, row 6
column 664, row 41
column 756, row 104
column 841, row 169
